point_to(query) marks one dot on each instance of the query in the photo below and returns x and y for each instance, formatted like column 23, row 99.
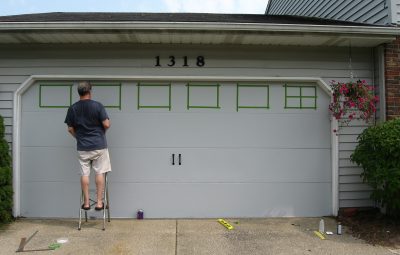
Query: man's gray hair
column 84, row 88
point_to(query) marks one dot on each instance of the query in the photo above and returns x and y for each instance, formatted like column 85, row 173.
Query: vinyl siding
column 352, row 191
column 6, row 108
column 361, row 11
column 17, row 64
column 395, row 11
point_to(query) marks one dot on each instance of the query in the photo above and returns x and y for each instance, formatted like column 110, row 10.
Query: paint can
column 140, row 214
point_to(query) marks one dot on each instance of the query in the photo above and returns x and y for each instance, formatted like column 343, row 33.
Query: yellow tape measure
column 225, row 224
column 320, row 235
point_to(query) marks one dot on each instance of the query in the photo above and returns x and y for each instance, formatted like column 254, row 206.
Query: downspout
column 335, row 165
column 380, row 71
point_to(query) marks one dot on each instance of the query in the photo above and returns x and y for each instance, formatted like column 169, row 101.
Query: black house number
column 183, row 61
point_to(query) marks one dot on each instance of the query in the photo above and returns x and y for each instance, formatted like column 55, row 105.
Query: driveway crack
column 176, row 237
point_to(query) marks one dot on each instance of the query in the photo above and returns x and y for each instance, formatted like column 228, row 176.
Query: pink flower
column 352, row 104
column 343, row 89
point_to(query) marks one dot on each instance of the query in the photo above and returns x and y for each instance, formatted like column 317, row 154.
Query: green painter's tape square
column 154, row 95
column 203, row 96
column 109, row 94
column 300, row 97
column 252, row 96
column 55, row 95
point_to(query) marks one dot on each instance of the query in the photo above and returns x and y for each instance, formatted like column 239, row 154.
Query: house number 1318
column 184, row 61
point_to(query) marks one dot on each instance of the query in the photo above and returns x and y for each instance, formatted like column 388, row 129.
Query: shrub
column 6, row 191
column 378, row 153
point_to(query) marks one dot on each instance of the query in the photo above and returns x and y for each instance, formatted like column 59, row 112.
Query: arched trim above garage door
column 32, row 79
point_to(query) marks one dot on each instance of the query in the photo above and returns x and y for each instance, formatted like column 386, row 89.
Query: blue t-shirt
column 86, row 117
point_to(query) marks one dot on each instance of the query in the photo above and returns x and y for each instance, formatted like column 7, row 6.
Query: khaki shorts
column 99, row 160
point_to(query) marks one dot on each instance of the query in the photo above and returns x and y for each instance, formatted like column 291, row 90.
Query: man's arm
column 106, row 124
column 71, row 130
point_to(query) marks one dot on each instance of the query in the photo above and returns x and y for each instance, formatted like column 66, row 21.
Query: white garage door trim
column 32, row 79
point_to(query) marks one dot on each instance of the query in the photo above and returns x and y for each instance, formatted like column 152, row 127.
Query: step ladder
column 106, row 203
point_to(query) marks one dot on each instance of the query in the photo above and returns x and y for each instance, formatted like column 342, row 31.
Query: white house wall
column 17, row 64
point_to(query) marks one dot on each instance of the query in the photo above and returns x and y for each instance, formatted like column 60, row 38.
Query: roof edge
column 199, row 26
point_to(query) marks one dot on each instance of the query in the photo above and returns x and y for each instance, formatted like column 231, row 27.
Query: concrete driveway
column 184, row 236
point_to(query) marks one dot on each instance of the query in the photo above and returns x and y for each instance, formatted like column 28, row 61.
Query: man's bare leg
column 100, row 188
column 85, row 189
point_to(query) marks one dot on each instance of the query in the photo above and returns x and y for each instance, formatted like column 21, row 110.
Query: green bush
column 378, row 153
column 6, row 191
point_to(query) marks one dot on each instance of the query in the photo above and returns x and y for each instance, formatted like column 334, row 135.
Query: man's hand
column 71, row 130
column 106, row 124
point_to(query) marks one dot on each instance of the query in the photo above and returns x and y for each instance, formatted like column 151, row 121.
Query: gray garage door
column 185, row 150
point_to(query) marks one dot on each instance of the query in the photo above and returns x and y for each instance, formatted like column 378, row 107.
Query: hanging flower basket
column 352, row 101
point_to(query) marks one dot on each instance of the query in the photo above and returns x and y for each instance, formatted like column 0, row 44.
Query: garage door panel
column 213, row 130
column 50, row 199
column 45, row 129
column 257, row 165
column 204, row 200
column 220, row 165
column 49, row 164
column 162, row 200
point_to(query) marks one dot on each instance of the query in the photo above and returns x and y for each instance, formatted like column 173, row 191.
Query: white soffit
column 197, row 33
column 195, row 38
